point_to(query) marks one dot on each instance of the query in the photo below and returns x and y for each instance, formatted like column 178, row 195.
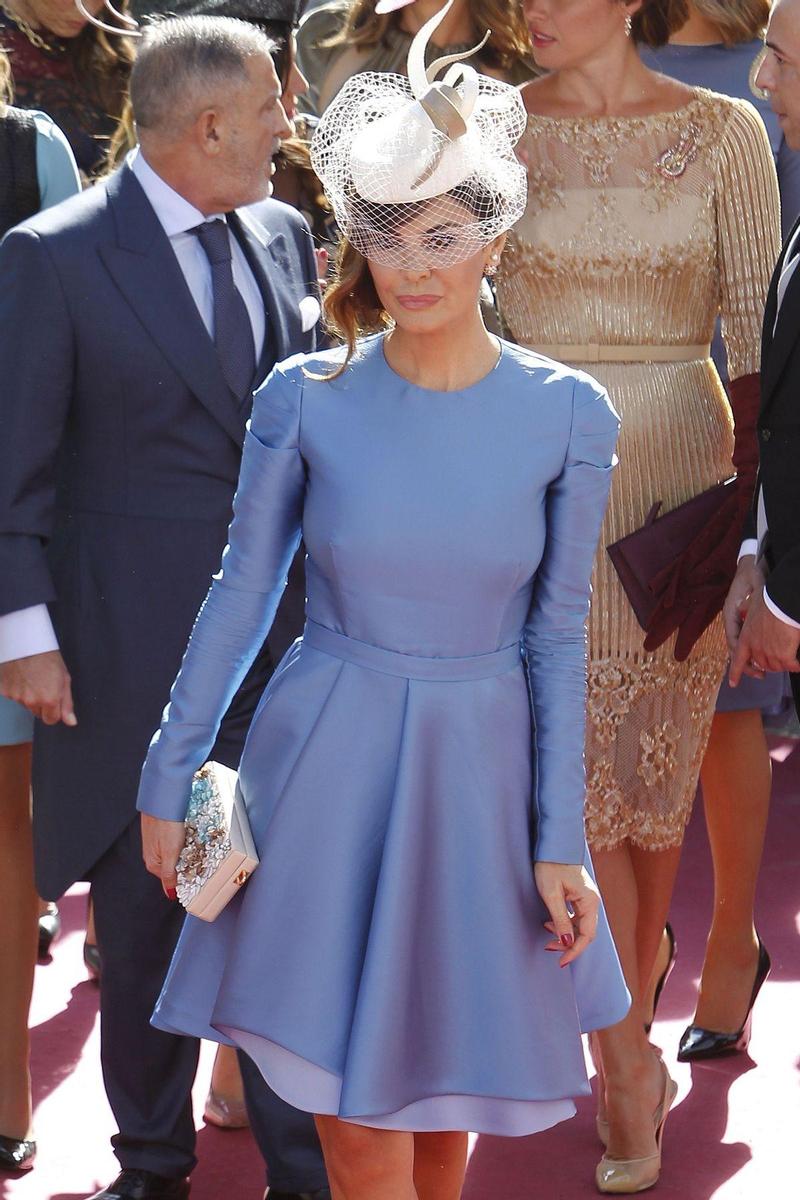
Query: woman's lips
column 417, row 302
column 541, row 40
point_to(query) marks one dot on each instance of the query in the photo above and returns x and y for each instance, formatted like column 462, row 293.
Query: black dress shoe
column 322, row 1194
column 133, row 1183
column 16, row 1154
column 698, row 1043
column 49, row 929
column 91, row 960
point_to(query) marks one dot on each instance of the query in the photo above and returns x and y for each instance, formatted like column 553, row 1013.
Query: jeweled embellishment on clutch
column 207, row 839
column 675, row 159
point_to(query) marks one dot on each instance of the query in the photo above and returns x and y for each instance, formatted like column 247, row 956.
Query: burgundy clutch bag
column 642, row 558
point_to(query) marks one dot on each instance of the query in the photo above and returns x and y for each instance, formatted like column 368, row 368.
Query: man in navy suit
column 135, row 321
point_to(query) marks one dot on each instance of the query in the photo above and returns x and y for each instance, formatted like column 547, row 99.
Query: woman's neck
column 699, row 30
column 20, row 8
column 612, row 84
column 456, row 29
column 444, row 361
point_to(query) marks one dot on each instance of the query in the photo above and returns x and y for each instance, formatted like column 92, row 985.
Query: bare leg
column 440, row 1161
column 226, row 1078
column 736, row 778
column 655, row 872
column 633, row 1080
column 367, row 1164
column 225, row 1104
column 19, row 906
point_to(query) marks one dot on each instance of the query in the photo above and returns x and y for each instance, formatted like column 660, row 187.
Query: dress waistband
column 409, row 666
column 593, row 353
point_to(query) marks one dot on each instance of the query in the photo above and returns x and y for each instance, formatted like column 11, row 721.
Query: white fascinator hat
column 439, row 153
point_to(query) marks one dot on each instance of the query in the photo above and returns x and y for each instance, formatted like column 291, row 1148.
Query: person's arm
column 555, row 637
column 36, row 366
column 240, row 607
column 748, row 243
column 748, row 235
column 555, row 645
column 56, row 168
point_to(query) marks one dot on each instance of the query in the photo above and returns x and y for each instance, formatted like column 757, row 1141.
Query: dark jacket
column 779, row 440
column 120, row 445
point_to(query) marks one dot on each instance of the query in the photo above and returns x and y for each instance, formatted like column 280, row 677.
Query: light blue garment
column 386, row 961
column 56, row 169
column 58, row 179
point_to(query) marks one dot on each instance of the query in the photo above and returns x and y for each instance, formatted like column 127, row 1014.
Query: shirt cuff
column 25, row 632
column 776, row 612
column 748, row 546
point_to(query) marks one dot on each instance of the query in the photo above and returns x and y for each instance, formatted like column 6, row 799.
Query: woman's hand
column 162, row 842
column 573, row 902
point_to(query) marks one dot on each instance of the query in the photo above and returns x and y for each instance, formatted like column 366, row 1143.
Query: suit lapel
column 269, row 261
column 146, row 271
column 776, row 348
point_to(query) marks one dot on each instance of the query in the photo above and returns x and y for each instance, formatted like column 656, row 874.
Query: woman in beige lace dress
column 652, row 208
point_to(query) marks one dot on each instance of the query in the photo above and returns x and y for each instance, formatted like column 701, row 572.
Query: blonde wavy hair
column 737, row 20
column 509, row 42
column 6, row 89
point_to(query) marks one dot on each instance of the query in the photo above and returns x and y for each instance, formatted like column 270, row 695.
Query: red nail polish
column 567, row 939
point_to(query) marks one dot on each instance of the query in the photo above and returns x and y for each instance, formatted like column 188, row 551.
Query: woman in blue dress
column 413, row 774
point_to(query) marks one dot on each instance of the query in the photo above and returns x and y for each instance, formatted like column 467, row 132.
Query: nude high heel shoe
column 625, row 1176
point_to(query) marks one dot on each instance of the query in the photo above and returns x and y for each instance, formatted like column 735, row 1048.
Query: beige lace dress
column 638, row 232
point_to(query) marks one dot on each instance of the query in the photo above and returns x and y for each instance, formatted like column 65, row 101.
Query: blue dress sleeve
column 555, row 636
column 56, row 169
column 242, row 601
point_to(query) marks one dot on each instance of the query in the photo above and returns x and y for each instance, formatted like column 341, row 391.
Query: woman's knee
column 364, row 1162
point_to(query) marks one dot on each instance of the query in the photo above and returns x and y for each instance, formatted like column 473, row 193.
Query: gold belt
column 593, row 353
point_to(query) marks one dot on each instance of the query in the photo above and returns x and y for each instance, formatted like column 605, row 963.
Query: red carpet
column 734, row 1135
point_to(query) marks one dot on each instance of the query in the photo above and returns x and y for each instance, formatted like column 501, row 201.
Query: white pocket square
column 309, row 312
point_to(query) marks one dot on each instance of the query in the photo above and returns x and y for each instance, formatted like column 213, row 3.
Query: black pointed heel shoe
column 16, row 1154
column 665, row 974
column 698, row 1043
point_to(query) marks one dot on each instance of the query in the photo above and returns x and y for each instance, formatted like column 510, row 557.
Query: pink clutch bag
column 218, row 856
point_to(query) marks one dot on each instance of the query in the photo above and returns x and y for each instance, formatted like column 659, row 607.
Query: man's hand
column 765, row 643
column 749, row 579
column 162, row 842
column 41, row 683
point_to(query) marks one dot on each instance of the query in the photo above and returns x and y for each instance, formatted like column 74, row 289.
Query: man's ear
column 207, row 132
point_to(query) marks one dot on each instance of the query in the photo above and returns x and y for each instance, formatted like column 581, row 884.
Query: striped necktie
column 233, row 333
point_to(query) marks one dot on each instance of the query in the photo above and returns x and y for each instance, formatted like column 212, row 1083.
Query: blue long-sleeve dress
column 413, row 754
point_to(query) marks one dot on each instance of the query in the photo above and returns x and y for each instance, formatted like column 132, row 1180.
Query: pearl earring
column 492, row 265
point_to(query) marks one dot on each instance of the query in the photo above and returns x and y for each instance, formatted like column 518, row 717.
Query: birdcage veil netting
column 402, row 189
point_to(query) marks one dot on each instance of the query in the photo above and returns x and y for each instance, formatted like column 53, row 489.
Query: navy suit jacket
column 779, row 440
column 120, row 446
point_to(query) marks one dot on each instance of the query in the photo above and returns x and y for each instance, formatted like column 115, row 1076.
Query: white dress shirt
column 30, row 630
column 791, row 262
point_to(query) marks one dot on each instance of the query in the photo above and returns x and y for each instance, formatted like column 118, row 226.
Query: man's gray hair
column 187, row 64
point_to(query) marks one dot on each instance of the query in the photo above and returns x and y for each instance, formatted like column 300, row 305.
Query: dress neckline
column 462, row 391
column 700, row 94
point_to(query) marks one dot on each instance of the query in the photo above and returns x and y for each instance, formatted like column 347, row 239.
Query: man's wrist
column 778, row 612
